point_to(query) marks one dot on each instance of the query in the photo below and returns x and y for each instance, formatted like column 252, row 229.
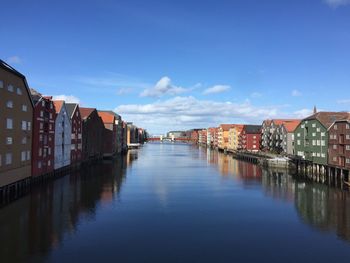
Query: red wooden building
column 339, row 144
column 109, row 133
column 77, row 131
column 43, row 147
column 249, row 138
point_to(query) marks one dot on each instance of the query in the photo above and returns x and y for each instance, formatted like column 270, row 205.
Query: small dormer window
column 10, row 88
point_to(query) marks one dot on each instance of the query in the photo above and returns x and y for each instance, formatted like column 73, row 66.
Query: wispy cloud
column 256, row 95
column 337, row 3
column 124, row 91
column 67, row 98
column 296, row 93
column 343, row 101
column 14, row 60
column 163, row 87
column 303, row 113
column 216, row 89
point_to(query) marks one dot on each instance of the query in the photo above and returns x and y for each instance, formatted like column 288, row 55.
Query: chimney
column 315, row 110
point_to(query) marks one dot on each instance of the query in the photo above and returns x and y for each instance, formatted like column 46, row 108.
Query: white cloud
column 337, row 3
column 163, row 87
column 216, row 89
column 303, row 113
column 296, row 93
column 14, row 60
column 67, row 98
column 256, row 95
column 189, row 112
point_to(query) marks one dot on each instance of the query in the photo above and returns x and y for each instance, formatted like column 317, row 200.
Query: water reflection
column 320, row 206
column 38, row 222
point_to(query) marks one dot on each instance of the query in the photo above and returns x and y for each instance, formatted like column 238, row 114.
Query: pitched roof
column 282, row 121
column 327, row 118
column 85, row 112
column 106, row 117
column 36, row 96
column 226, row 127
column 112, row 112
column 71, row 108
column 58, row 105
column 290, row 126
column 249, row 129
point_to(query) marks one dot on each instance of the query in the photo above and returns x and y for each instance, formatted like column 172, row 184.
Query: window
column 348, row 136
column 40, row 151
column 43, row 103
column 0, row 160
column 314, row 134
column 298, row 134
column 41, row 125
column 334, row 146
column 348, row 147
column 28, row 155
column 347, row 160
column 313, row 154
column 323, row 143
column 347, row 126
column 23, row 156
column 318, row 129
column 318, row 154
column 318, row 142
column 292, row 136
column 314, row 125
column 24, row 125
column 323, row 155
column 39, row 164
column 9, row 123
column 49, row 151
column 10, row 88
column 41, row 114
column 51, row 106
column 9, row 104
column 51, row 115
column 49, row 163
column 335, row 127
column 8, row 140
column 334, row 159
column 313, row 142
column 24, row 140
column 50, row 126
column 303, row 126
column 1, row 84
column 8, row 158
column 335, row 136
column 19, row 91
column 24, row 107
column 298, row 142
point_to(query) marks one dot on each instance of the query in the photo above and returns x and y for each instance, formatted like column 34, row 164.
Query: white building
column 63, row 135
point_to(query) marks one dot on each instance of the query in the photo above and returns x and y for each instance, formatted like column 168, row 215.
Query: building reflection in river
column 39, row 221
column 320, row 206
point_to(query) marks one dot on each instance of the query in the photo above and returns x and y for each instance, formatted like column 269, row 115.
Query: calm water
column 177, row 203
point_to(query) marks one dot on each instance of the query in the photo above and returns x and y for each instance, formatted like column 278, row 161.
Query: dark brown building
column 93, row 129
column 77, row 130
column 339, row 144
column 16, row 117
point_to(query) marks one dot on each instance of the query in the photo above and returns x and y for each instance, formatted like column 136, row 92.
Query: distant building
column 176, row 134
column 223, row 135
column 210, row 136
column 283, row 137
column 110, row 133
column 339, row 144
column 249, row 138
column 63, row 135
column 16, row 111
column 43, row 154
column 311, row 136
column 77, row 132
column 233, row 137
column 93, row 130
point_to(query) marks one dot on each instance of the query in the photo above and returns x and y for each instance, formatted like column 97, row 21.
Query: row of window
column 334, row 136
column 40, row 164
column 25, row 156
column 9, row 140
column 335, row 159
column 25, row 125
column 9, row 104
column 323, row 155
column 11, row 88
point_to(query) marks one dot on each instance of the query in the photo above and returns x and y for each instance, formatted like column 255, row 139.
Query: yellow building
column 233, row 135
column 223, row 135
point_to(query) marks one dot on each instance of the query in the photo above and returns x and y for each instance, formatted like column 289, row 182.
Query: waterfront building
column 223, row 135
column 16, row 109
column 110, row 133
column 132, row 133
column 215, row 136
column 76, row 153
column 339, row 144
column 93, row 129
column 265, row 135
column 210, row 136
column 176, row 134
column 249, row 138
column 202, row 137
column 311, row 136
column 43, row 147
column 233, row 137
column 283, row 136
column 63, row 135
column 124, row 143
column 194, row 135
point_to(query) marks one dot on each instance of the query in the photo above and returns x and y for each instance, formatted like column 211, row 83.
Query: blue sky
column 182, row 64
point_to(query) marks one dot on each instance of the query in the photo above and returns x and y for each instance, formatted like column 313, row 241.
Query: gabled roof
column 117, row 116
column 71, row 108
column 107, row 117
column 226, row 127
column 85, row 112
column 283, row 121
column 250, row 129
column 58, row 105
column 290, row 126
column 327, row 118
column 10, row 69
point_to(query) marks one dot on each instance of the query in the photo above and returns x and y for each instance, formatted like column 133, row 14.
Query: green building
column 311, row 136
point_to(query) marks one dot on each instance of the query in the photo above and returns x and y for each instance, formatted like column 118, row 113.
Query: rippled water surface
column 177, row 203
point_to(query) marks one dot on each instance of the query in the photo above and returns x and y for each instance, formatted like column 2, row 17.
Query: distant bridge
column 170, row 139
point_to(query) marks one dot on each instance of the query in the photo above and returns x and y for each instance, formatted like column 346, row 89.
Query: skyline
column 174, row 66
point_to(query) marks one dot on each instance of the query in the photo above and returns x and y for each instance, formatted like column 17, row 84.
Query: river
column 177, row 203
